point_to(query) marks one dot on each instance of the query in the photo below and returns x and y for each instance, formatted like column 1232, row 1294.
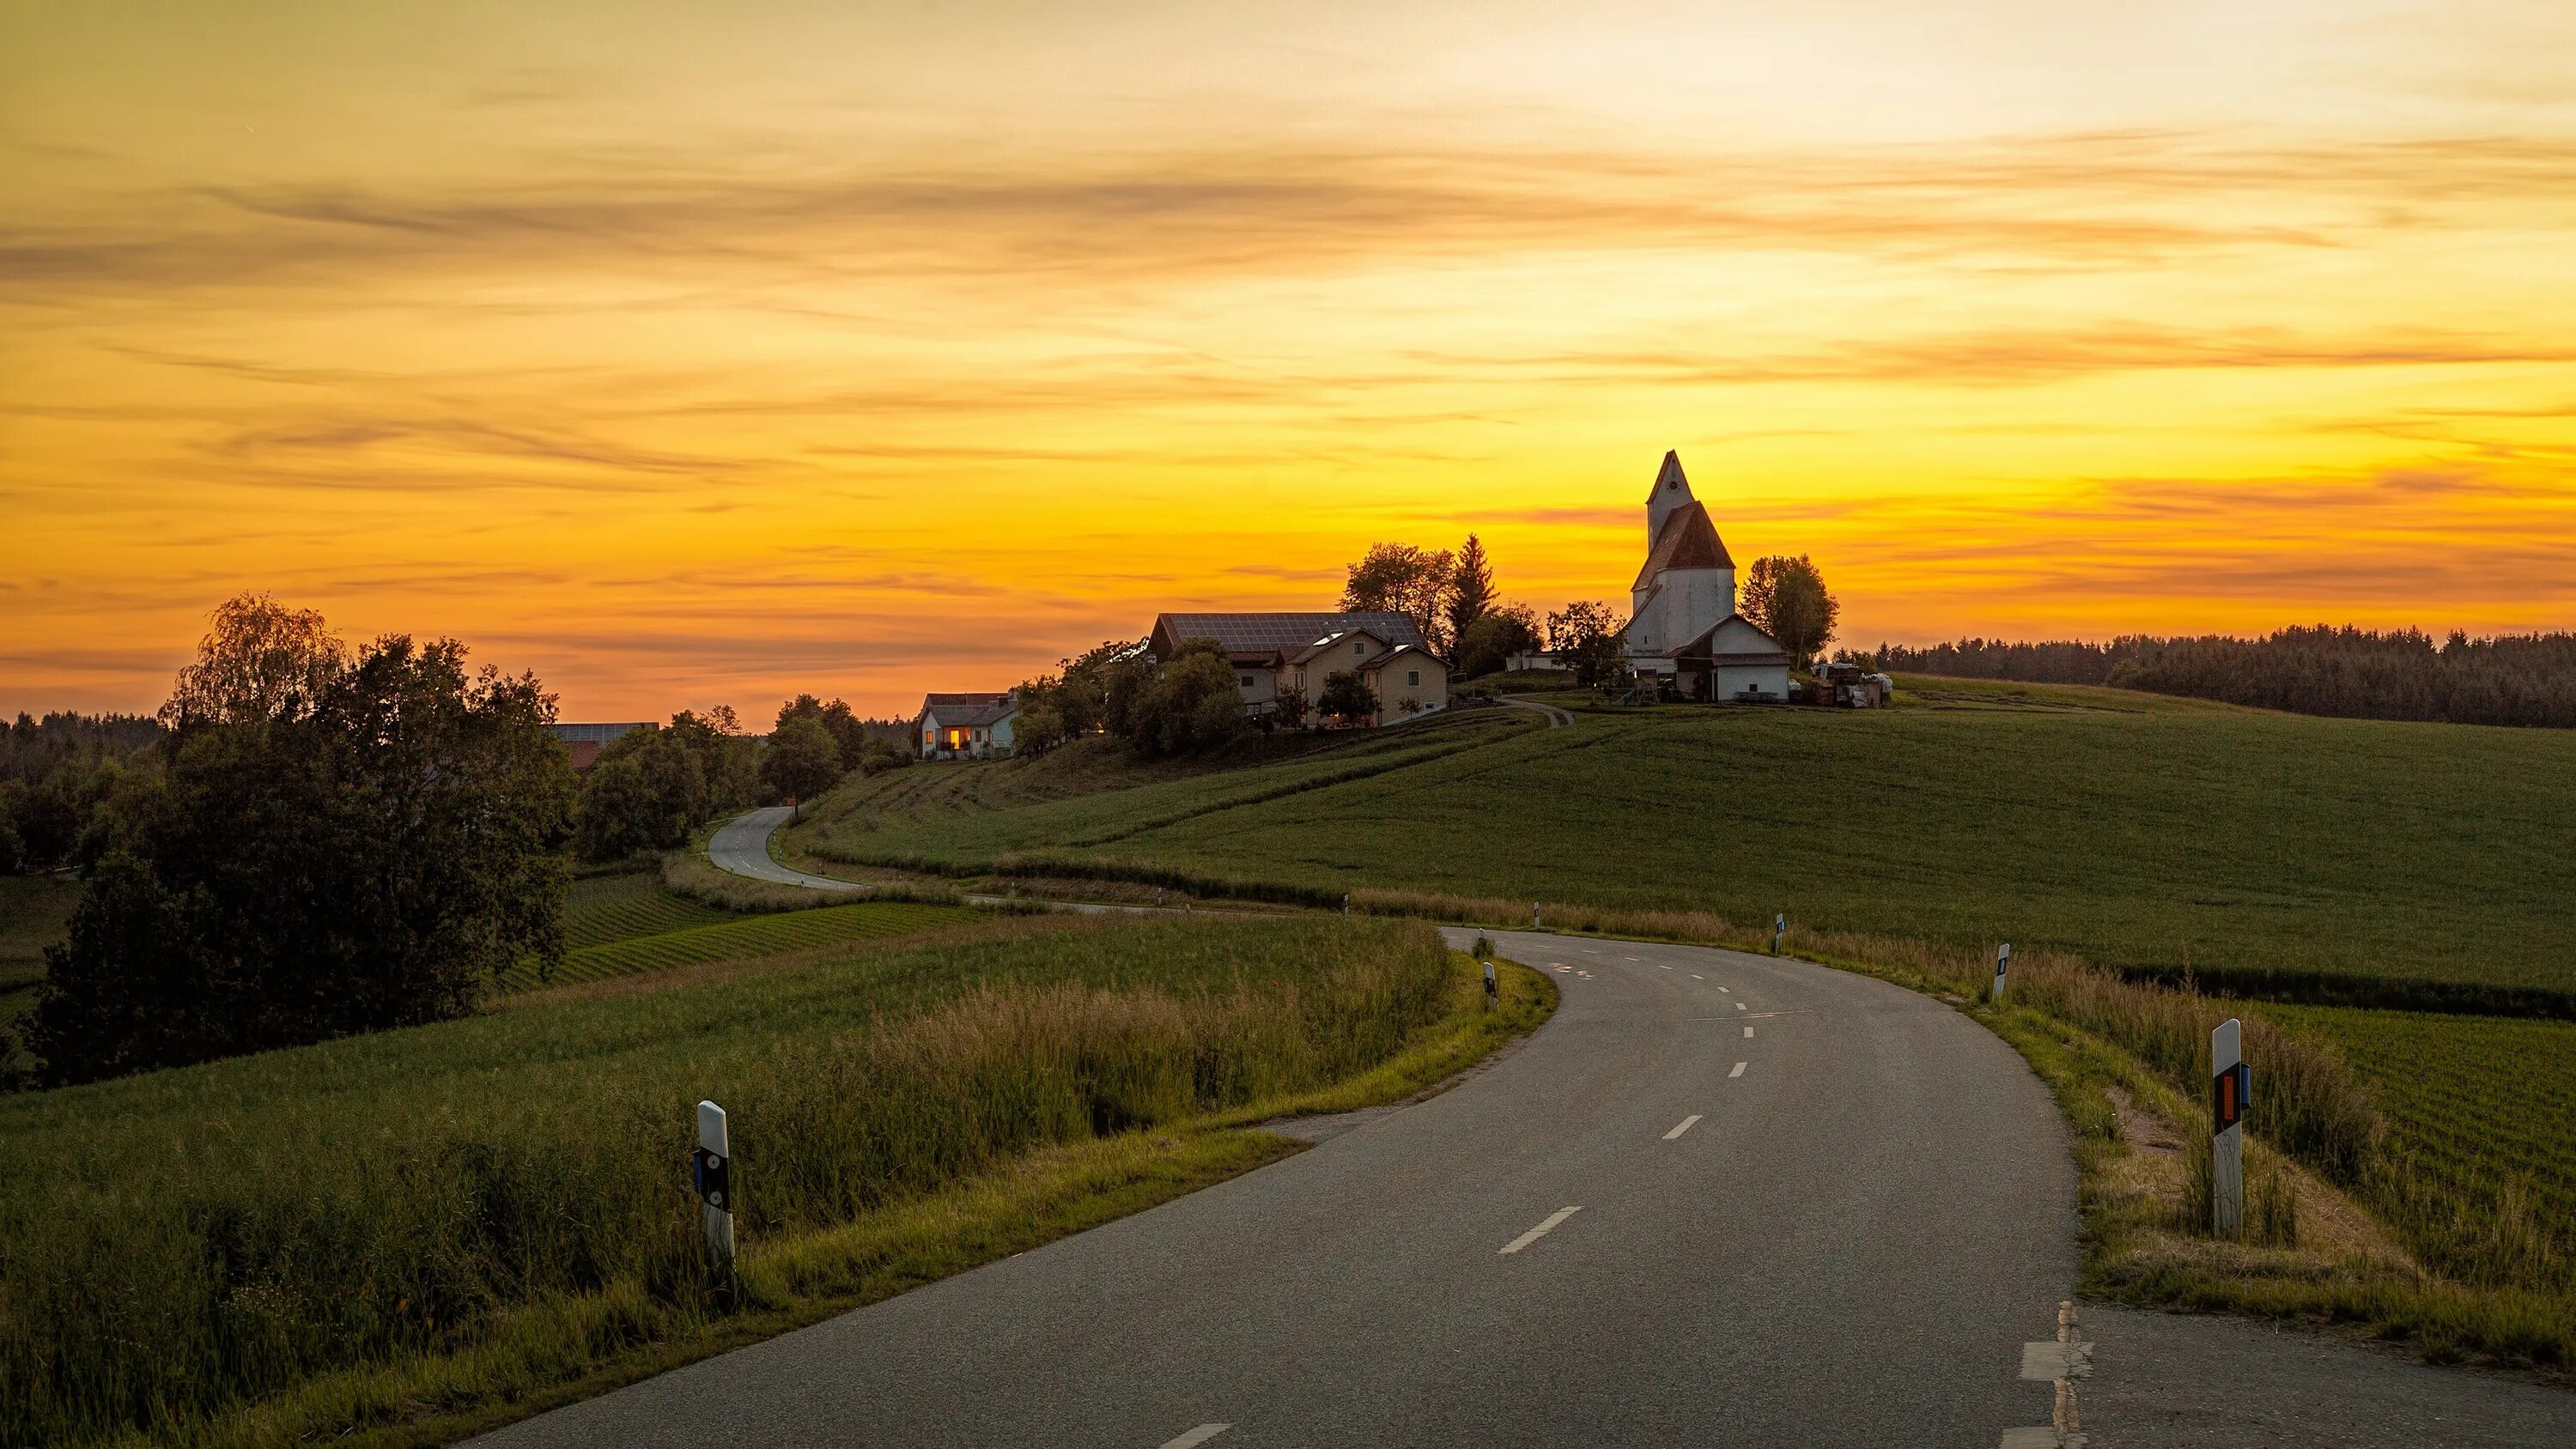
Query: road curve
column 1645, row 1226
column 741, row 846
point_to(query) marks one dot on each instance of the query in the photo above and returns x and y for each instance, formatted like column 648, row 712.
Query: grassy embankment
column 419, row 1233
column 2290, row 857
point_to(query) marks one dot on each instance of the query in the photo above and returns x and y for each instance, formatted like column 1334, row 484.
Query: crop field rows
column 2477, row 1103
column 619, row 907
column 737, row 938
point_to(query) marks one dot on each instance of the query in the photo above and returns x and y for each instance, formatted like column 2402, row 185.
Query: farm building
column 585, row 741
column 1683, row 627
column 1298, row 653
column 964, row 726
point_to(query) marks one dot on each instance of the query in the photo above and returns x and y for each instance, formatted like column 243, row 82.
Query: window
column 1247, row 681
column 1413, row 676
column 1358, row 647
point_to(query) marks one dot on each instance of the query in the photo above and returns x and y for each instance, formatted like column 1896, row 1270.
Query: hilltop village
column 1685, row 639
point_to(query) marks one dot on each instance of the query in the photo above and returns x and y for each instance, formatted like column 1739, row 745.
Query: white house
column 964, row 726
column 1682, row 622
column 1299, row 652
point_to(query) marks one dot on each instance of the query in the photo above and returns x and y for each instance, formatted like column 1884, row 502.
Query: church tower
column 1687, row 586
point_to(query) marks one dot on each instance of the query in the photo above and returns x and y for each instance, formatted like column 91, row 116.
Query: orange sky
column 697, row 355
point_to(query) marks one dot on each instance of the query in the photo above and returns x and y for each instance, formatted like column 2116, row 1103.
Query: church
column 1683, row 629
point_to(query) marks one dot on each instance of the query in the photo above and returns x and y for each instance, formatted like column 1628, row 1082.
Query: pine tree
column 1471, row 590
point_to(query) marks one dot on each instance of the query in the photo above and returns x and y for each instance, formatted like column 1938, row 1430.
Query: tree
column 802, row 760
column 1293, row 707
column 1189, row 702
column 1489, row 643
column 1787, row 597
column 1348, row 698
column 1588, row 639
column 648, row 790
column 260, row 660
column 373, row 857
column 1417, row 583
column 1471, row 590
column 849, row 732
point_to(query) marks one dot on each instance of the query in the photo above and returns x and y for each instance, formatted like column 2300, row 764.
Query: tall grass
column 194, row 1245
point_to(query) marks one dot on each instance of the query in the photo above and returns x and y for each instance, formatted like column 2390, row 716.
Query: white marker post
column 1493, row 988
column 1346, row 903
column 1533, row 915
column 2003, row 959
column 2230, row 1088
column 712, row 1167
column 1779, row 928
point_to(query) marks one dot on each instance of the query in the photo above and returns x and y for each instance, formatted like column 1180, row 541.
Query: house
column 1298, row 653
column 1683, row 628
column 964, row 726
column 585, row 741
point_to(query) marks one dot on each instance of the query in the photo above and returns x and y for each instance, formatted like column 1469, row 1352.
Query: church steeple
column 1671, row 491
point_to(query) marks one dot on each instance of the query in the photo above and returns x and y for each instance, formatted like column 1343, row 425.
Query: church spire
column 1671, row 491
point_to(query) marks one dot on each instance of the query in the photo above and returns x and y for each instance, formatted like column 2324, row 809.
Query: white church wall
column 1733, row 680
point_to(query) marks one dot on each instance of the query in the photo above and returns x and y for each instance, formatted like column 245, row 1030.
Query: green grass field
column 374, row 1229
column 2140, row 831
column 619, row 907
column 735, row 937
column 2481, row 1111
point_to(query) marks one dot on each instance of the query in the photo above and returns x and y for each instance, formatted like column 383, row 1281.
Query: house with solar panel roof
column 1683, row 628
column 1294, row 654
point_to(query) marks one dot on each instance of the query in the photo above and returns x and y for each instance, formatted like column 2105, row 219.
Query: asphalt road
column 741, row 846
column 1719, row 1199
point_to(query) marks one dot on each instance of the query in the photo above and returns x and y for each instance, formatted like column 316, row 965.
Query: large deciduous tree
column 1788, row 598
column 371, row 853
column 1347, row 697
column 1589, row 640
column 261, row 660
column 802, row 761
column 1489, row 643
column 1402, row 579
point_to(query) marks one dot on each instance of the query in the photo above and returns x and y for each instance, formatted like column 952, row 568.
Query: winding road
column 741, row 847
column 1718, row 1199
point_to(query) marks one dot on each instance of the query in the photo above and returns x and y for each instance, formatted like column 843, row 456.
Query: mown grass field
column 408, row 1233
column 2140, row 831
column 732, row 938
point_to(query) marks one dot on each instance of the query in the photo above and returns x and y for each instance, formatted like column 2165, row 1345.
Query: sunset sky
column 700, row 354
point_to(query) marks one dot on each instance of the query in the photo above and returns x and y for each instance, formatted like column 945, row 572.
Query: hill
column 2360, row 861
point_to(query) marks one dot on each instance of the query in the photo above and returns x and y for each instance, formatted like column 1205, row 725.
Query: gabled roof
column 1392, row 655
column 965, row 711
column 1247, row 634
column 1329, row 643
column 1763, row 649
column 1688, row 541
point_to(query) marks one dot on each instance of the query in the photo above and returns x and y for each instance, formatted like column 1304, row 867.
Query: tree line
column 314, row 839
column 2509, row 679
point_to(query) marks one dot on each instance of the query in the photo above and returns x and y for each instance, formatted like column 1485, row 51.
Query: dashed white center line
column 1739, row 1006
column 1199, row 1435
column 1627, row 958
column 1695, row 976
column 1739, row 1070
column 1685, row 1127
column 1536, row 1233
column 1730, row 993
column 1748, row 1031
column 1662, row 967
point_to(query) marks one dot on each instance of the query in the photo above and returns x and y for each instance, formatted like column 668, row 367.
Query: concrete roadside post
column 1533, row 915
column 1779, row 930
column 2230, row 1091
column 1346, row 903
column 1493, row 988
column 712, row 1167
column 2003, row 959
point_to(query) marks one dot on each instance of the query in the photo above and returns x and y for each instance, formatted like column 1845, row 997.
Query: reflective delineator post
column 1779, row 929
column 712, row 1167
column 2230, row 1088
column 1346, row 903
column 1493, row 988
column 2003, row 959
column 1533, row 915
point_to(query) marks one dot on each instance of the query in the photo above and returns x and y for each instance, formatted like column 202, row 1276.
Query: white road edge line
column 1199, row 1435
column 1532, row 1236
column 1687, row 1123
column 1739, row 1070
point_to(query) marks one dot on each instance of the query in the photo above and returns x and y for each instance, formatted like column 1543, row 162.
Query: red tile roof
column 1688, row 541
